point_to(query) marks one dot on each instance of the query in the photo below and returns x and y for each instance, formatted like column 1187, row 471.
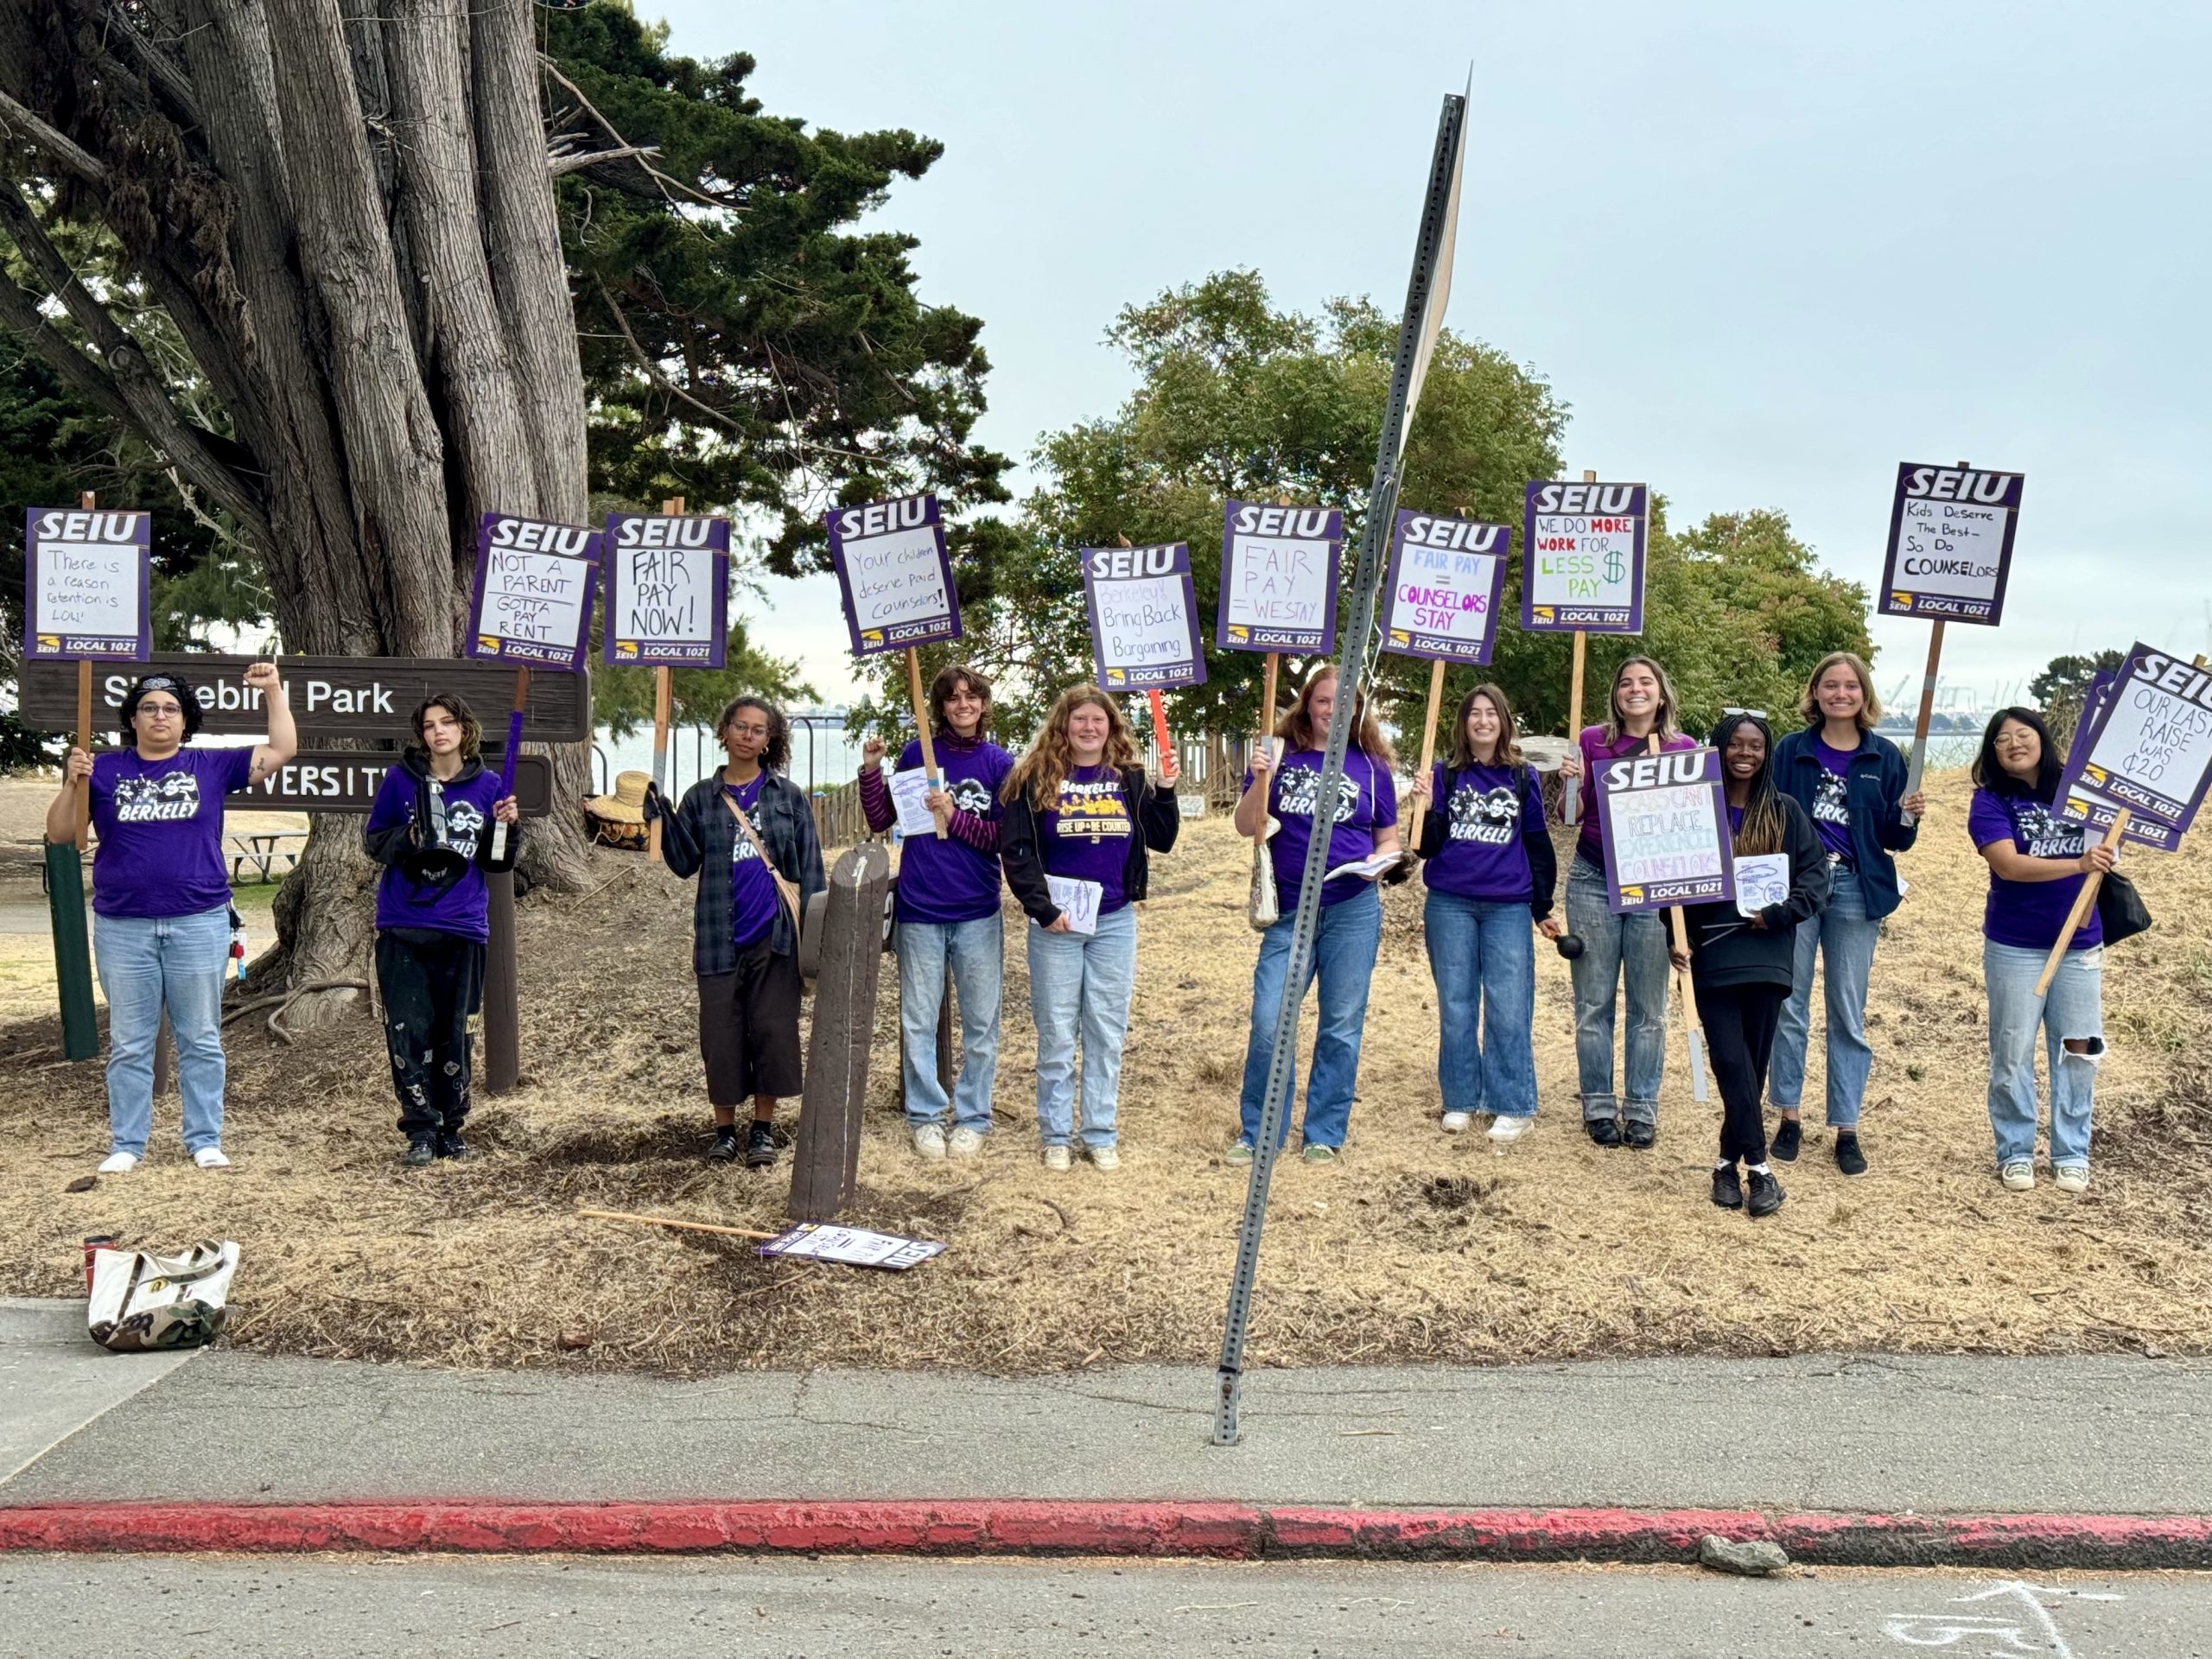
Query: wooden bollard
column 826, row 1161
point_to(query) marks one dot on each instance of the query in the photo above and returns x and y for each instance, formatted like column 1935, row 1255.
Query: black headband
column 161, row 683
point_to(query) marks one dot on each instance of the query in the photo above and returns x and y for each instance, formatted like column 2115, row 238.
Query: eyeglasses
column 161, row 710
column 748, row 731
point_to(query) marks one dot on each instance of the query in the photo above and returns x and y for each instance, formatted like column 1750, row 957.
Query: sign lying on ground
column 86, row 584
column 1950, row 543
column 667, row 590
column 1582, row 557
column 855, row 1247
column 1667, row 839
column 895, row 574
column 1279, row 577
column 532, row 599
column 331, row 696
column 1144, row 617
column 346, row 780
column 1444, row 578
column 2151, row 751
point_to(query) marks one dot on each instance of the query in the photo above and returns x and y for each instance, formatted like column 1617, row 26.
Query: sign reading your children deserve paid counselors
column 1278, row 576
column 1667, row 838
column 1144, row 617
column 895, row 574
column 1583, row 557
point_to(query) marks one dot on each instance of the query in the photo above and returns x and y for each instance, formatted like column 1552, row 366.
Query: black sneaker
column 1605, row 1131
column 1766, row 1192
column 450, row 1145
column 421, row 1150
column 724, row 1151
column 1848, row 1158
column 1727, row 1187
column 1640, row 1136
column 760, row 1148
column 1788, row 1135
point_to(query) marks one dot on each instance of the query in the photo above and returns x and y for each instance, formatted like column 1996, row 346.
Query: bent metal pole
column 1424, row 296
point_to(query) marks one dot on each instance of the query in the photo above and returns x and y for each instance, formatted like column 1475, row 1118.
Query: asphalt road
column 82, row 1607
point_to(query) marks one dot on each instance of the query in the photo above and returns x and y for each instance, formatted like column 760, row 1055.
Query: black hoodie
column 1726, row 949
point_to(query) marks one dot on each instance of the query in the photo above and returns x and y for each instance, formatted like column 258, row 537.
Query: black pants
column 432, row 983
column 748, row 1027
column 1739, row 1022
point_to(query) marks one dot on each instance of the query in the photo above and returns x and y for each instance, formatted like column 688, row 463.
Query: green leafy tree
column 2065, row 680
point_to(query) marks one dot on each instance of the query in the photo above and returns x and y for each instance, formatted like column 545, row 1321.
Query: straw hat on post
column 618, row 820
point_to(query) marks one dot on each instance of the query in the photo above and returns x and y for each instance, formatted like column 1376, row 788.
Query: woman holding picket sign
column 746, row 831
column 2036, row 860
column 1080, row 815
column 1363, row 831
column 161, row 899
column 1741, row 965
column 1850, row 780
column 1490, row 871
column 1640, row 718
column 948, row 910
column 430, row 828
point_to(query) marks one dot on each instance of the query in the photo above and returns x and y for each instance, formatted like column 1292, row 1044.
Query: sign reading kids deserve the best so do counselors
column 2151, row 752
column 1582, row 557
column 532, row 599
column 1278, row 576
column 1951, row 543
column 895, row 574
column 1667, row 838
column 1144, row 617
column 1444, row 578
column 86, row 584
column 667, row 589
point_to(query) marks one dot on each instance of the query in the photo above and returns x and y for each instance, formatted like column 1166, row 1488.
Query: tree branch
column 658, row 375
column 24, row 123
column 20, row 317
column 635, row 152
column 577, row 161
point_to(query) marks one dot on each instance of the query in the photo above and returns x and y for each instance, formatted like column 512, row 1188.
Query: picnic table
column 262, row 848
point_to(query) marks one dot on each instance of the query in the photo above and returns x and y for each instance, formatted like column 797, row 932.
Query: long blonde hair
column 1667, row 721
column 1297, row 728
column 1045, row 766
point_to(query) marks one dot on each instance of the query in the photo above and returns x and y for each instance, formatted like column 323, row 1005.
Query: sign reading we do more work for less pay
column 1582, row 557
column 533, row 592
column 1667, row 837
column 667, row 590
column 1444, row 578
column 1279, row 577
column 1951, row 544
column 1144, row 617
column 895, row 574
column 85, row 583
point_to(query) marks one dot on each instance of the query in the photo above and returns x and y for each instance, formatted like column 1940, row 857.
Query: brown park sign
column 346, row 780
column 331, row 696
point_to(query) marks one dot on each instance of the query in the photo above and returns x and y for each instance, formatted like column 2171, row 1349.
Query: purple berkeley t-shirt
column 752, row 898
column 1367, row 800
column 948, row 881
column 461, row 908
column 160, row 831
column 1483, row 811
column 1588, row 844
column 1831, row 799
column 2029, row 914
column 1085, row 836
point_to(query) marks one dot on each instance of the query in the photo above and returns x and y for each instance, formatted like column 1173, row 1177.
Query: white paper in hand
column 1366, row 869
column 908, row 791
column 1077, row 901
column 1762, row 879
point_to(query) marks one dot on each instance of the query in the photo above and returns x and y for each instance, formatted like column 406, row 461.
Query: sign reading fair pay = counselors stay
column 895, row 574
column 1667, row 837
column 1583, row 558
column 2151, row 752
column 1144, row 617
column 1278, row 576
column 1951, row 534
column 1445, row 579
column 533, row 592
column 85, row 583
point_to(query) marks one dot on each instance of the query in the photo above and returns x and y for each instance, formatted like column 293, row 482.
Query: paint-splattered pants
column 433, row 985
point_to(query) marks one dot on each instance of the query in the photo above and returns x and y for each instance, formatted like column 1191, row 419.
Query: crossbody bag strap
column 784, row 890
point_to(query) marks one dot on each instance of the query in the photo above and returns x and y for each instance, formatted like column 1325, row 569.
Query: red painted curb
column 1221, row 1530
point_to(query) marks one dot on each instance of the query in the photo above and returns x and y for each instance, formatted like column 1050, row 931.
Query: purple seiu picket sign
column 1443, row 586
column 1950, row 549
column 1584, row 552
column 2084, row 805
column 667, row 590
column 87, row 584
column 1278, row 569
column 895, row 574
column 1144, row 617
column 2150, row 749
column 1667, row 840
column 530, row 603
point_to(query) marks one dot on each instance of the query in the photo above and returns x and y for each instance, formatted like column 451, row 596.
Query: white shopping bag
column 141, row 1302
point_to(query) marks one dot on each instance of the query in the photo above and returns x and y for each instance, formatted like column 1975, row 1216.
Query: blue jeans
column 1344, row 961
column 146, row 963
column 2073, row 1009
column 1483, row 957
column 976, row 949
column 1078, row 980
column 1617, row 950
column 1842, row 940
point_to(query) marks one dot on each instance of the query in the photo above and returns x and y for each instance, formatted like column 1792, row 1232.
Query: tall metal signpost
column 1424, row 318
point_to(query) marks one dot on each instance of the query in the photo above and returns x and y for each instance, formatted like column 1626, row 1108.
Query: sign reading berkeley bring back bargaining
column 1144, row 617
column 1950, row 543
column 86, row 584
column 1278, row 577
column 1582, row 557
column 1667, row 837
column 667, row 590
column 895, row 574
column 532, row 599
column 1443, row 586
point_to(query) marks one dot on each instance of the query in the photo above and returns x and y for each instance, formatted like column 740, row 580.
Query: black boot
column 1766, row 1192
column 724, row 1151
column 760, row 1148
column 421, row 1150
column 1605, row 1131
column 1638, row 1134
column 1727, row 1187
column 1848, row 1158
column 1787, row 1134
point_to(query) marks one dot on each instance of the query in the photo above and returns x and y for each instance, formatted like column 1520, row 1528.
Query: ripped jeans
column 2073, row 1011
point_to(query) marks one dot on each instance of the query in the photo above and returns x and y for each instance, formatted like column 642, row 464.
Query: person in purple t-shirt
column 161, row 901
column 1362, row 822
column 948, row 912
column 430, row 827
column 1641, row 714
column 1490, row 870
column 2036, row 862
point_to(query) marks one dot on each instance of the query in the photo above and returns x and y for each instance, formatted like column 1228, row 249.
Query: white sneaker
column 210, row 1158
column 1105, row 1158
column 929, row 1140
column 1458, row 1122
column 965, row 1143
column 2019, row 1177
column 2071, row 1177
column 1059, row 1158
column 1505, row 1128
column 119, row 1163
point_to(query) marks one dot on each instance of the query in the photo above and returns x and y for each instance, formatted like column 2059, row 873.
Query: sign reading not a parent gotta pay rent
column 86, row 584
column 1144, row 617
column 2151, row 752
column 667, row 590
column 895, row 574
column 533, row 598
column 1278, row 576
column 1444, row 578
column 1951, row 533
column 1582, row 554
column 1667, row 837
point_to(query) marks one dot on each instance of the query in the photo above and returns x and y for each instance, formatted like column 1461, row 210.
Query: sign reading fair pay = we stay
column 1278, row 576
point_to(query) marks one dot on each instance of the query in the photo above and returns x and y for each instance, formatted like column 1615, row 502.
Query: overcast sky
column 1764, row 251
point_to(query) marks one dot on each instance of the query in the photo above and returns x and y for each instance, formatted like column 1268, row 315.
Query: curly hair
column 777, row 757
column 1764, row 829
column 169, row 680
column 1870, row 706
column 472, row 730
column 1507, row 751
column 1044, row 765
column 1298, row 731
column 949, row 680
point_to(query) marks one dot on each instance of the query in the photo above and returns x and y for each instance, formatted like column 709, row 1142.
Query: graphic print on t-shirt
column 1490, row 816
column 2046, row 834
column 1301, row 786
column 154, row 800
column 971, row 796
column 464, row 826
column 1831, row 804
column 1092, row 811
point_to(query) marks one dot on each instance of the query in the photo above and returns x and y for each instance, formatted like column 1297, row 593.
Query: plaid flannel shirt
column 700, row 838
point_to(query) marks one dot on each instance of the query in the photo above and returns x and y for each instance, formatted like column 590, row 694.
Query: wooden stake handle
column 83, row 788
column 1428, row 731
column 1918, row 761
column 1267, row 738
column 922, row 726
column 1571, row 798
column 670, row 1221
column 2083, row 901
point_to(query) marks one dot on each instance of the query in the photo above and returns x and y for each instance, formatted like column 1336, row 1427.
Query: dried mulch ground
column 1419, row 1247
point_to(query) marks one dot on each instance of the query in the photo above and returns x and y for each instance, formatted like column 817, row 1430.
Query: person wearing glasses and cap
column 161, row 900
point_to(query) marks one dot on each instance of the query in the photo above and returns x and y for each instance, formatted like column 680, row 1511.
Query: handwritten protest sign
column 856, row 1246
column 1583, row 558
column 1078, row 900
column 85, row 584
column 2085, row 805
column 895, row 574
column 1278, row 577
column 533, row 598
column 667, row 590
column 1762, row 879
column 1444, row 578
column 1144, row 617
column 2151, row 750
column 1667, row 839
column 1950, row 543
